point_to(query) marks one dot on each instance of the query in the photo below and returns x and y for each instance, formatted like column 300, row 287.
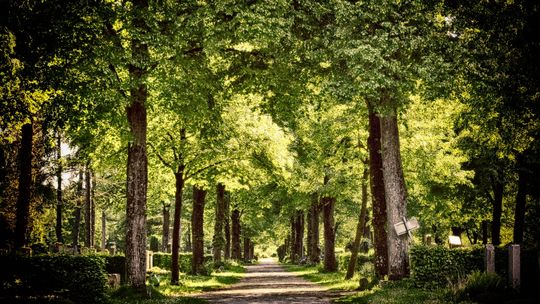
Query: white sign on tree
column 406, row 226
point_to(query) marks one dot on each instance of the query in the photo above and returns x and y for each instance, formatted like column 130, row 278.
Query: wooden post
column 514, row 266
column 489, row 259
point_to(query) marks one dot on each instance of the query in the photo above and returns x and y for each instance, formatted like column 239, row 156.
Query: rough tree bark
column 521, row 201
column 498, row 191
column 137, row 163
column 396, row 197
column 359, row 227
column 197, row 223
column 77, row 213
column 93, row 211
column 59, row 202
column 313, row 230
column 25, row 185
column 103, row 230
column 378, row 196
column 236, row 249
column 87, row 207
column 218, row 241
column 294, row 254
column 299, row 234
column 227, row 226
column 179, row 190
column 328, row 206
column 247, row 247
column 166, row 211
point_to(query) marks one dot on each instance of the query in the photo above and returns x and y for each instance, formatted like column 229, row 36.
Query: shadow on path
column 268, row 282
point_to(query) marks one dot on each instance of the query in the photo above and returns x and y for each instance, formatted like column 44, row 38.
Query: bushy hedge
column 81, row 279
column 116, row 264
column 344, row 258
column 436, row 266
column 164, row 261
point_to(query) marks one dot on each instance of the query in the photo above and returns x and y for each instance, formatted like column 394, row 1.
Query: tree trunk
column 59, row 203
column 299, row 235
column 166, row 227
column 396, row 197
column 227, row 226
column 359, row 228
column 187, row 246
column 179, row 190
column 521, row 200
column 77, row 214
column 294, row 255
column 137, row 165
column 378, row 196
column 25, row 185
column 235, row 239
column 93, row 211
column 103, row 230
column 197, row 224
column 219, row 238
column 247, row 246
column 313, row 230
column 330, row 263
column 87, row 208
column 498, row 191
column 484, row 232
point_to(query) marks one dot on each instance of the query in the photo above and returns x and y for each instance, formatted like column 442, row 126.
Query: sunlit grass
column 331, row 280
column 166, row 293
column 397, row 293
column 384, row 293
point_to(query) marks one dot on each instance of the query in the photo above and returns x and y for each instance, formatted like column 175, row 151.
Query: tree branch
column 167, row 164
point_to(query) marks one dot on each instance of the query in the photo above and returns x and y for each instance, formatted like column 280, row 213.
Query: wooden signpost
column 405, row 227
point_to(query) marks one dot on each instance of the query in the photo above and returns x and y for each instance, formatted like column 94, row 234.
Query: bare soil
column 268, row 282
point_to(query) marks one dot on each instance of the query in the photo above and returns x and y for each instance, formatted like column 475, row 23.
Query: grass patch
column 384, row 293
column 402, row 292
column 166, row 293
column 332, row 280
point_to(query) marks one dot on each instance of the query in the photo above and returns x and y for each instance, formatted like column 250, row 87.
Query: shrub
column 80, row 279
column 116, row 264
column 436, row 266
column 344, row 258
column 480, row 287
column 154, row 243
column 164, row 261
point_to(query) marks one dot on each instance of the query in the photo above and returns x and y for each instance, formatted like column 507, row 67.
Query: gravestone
column 489, row 259
column 514, row 266
column 428, row 240
column 454, row 241
column 149, row 259
column 114, row 280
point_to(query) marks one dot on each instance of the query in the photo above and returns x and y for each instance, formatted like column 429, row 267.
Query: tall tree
column 197, row 232
column 218, row 241
column 25, row 184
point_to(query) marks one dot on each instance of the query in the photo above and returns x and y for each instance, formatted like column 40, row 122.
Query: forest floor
column 268, row 282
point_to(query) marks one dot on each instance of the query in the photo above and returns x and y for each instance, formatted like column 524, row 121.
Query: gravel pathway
column 267, row 282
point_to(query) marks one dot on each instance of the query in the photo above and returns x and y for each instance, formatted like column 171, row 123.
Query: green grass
column 383, row 293
column 397, row 293
column 332, row 280
column 166, row 293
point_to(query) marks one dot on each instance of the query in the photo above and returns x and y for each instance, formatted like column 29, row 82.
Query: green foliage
column 480, row 287
column 80, row 279
column 345, row 257
column 400, row 292
column 116, row 264
column 163, row 260
column 154, row 243
column 436, row 266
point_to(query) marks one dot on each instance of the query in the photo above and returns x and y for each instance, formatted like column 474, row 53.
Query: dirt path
column 268, row 282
